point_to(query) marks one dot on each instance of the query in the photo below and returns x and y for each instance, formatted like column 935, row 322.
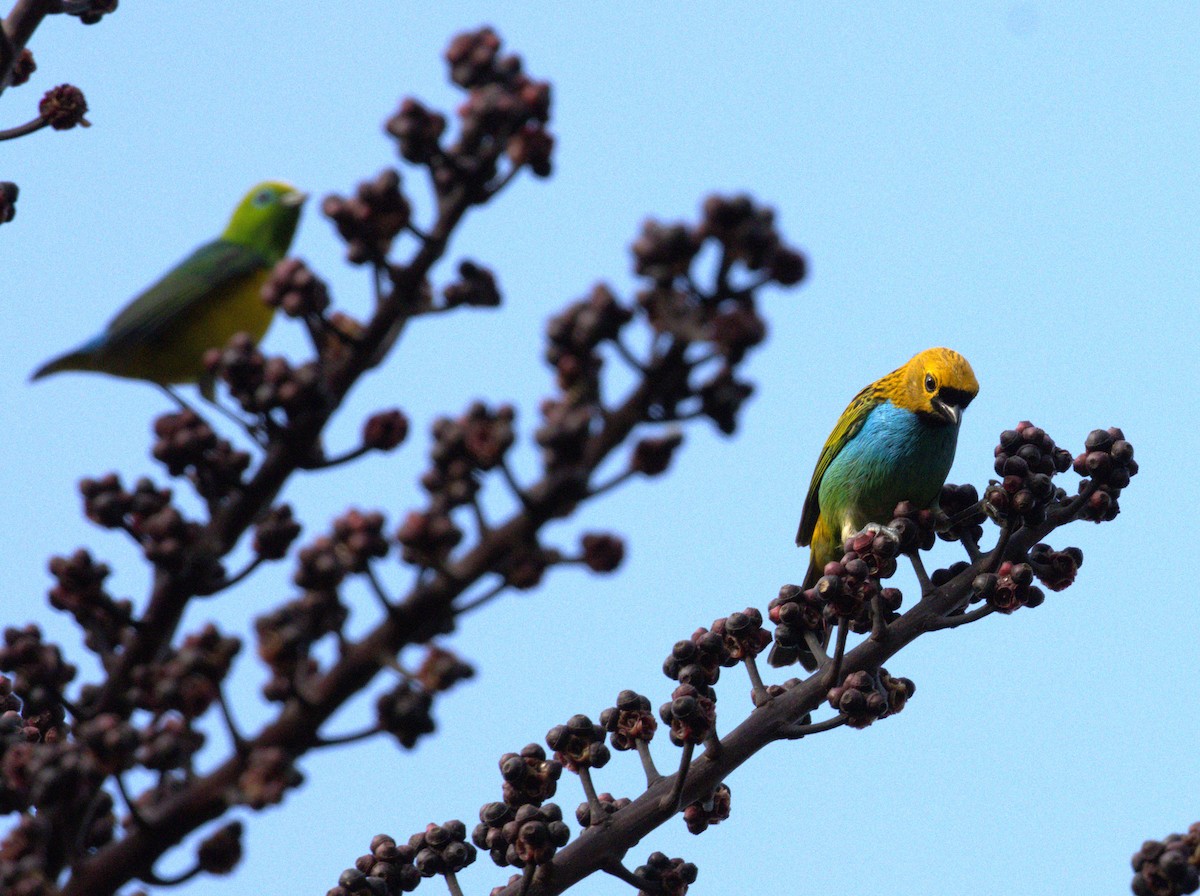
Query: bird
column 162, row 334
column 894, row 442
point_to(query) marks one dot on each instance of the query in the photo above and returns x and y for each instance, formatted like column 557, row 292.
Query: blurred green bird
column 162, row 335
column 894, row 442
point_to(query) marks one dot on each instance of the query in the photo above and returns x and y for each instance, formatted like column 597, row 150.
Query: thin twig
column 671, row 800
column 919, row 569
column 385, row 600
column 817, row 648
column 239, row 742
column 477, row 602
column 241, row 574
column 617, row 480
column 758, row 691
column 138, row 818
column 839, row 651
column 326, row 463
column 620, row 872
column 338, row 740
column 23, row 130
column 595, row 810
column 795, row 732
column 960, row 618
column 879, row 627
column 518, row 492
column 653, row 776
column 626, row 355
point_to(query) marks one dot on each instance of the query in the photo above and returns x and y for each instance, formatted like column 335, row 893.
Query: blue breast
column 895, row 457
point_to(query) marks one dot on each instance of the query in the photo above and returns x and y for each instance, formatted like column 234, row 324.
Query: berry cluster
column 748, row 234
column 666, row 877
column 476, row 441
column 742, row 633
column 92, row 11
column 579, row 744
column 529, row 777
column 262, row 385
column 574, row 335
column 387, row 870
column 418, row 131
column 427, row 538
column 1009, row 588
column 505, row 114
column 404, row 713
column 1108, row 460
column 1169, row 867
column 796, row 611
column 442, row 849
column 186, row 445
column 1055, row 569
column 385, row 430
column 63, row 107
column 269, row 773
column 475, row 286
column 221, row 851
column 652, row 456
column 275, row 533
column 286, row 636
column 690, row 714
column 370, row 219
column 23, row 68
column 189, row 679
column 712, row 809
column 8, row 200
column 629, row 722
column 295, row 290
column 698, row 660
column 441, row 669
column 167, row 743
column 39, row 672
column 79, row 590
column 1027, row 458
column 960, row 504
column 529, row 835
column 863, row 698
column 609, row 805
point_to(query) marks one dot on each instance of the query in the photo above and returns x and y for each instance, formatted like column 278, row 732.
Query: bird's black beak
column 950, row 413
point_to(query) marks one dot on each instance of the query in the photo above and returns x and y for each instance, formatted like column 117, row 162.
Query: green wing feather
column 208, row 269
column 847, row 428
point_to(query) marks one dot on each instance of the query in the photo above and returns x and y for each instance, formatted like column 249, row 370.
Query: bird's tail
column 83, row 357
column 69, row 361
column 785, row 656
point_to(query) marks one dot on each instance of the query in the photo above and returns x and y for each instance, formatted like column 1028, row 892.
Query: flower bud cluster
column 1169, row 867
column 529, row 777
column 629, row 722
column 863, row 698
column 1009, row 588
column 1108, row 461
column 666, row 877
column 529, row 835
column 578, row 744
column 1027, row 458
column 371, row 219
column 186, row 445
column 712, row 809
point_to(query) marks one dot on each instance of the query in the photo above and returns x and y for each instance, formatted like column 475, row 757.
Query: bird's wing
column 208, row 269
column 847, row 428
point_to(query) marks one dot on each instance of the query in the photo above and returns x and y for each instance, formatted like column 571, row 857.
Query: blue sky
column 1015, row 180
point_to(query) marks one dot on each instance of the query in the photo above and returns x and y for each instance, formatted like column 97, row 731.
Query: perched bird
column 162, row 334
column 894, row 442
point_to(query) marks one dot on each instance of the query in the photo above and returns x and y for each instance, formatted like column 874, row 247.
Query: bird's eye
column 930, row 383
column 262, row 198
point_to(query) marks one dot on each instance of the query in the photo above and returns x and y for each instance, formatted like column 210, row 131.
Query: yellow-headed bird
column 894, row 442
column 162, row 335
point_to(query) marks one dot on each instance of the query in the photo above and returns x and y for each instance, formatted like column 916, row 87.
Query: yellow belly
column 177, row 355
